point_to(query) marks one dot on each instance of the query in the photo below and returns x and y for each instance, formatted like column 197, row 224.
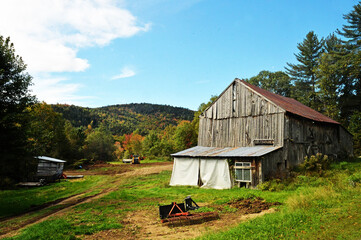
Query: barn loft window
column 243, row 171
column 234, row 97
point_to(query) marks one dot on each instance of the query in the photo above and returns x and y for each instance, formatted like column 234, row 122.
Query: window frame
column 243, row 166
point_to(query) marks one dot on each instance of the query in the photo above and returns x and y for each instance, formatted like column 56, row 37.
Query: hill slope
column 126, row 118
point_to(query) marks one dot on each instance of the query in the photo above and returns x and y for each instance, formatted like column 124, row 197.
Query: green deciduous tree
column 152, row 145
column 184, row 136
column 276, row 82
column 76, row 138
column 47, row 132
column 99, row 145
column 200, row 110
column 303, row 74
column 14, row 99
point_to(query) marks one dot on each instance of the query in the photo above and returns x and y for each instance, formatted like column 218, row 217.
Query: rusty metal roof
column 209, row 152
column 291, row 105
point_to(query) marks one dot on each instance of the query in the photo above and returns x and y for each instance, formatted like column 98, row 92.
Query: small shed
column 258, row 135
column 49, row 168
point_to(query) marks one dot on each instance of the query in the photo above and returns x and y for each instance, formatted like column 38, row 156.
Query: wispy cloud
column 57, row 90
column 126, row 72
column 49, row 33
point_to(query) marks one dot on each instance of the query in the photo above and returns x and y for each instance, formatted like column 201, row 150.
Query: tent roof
column 209, row 152
column 50, row 159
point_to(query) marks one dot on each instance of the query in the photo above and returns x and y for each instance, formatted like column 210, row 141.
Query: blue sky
column 103, row 52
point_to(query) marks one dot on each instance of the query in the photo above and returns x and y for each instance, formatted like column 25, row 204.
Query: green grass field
column 313, row 207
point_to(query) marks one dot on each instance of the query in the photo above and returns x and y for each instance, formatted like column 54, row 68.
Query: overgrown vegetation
column 323, row 206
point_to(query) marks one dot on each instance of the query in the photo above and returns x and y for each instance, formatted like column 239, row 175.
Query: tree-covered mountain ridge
column 125, row 118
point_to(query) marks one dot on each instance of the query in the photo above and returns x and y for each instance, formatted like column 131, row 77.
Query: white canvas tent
column 209, row 165
column 212, row 173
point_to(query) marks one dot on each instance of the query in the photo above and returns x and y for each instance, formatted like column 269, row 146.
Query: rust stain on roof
column 291, row 105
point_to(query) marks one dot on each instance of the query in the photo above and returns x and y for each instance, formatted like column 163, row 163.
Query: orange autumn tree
column 133, row 143
column 118, row 150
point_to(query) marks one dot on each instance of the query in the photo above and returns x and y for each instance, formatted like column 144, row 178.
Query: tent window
column 243, row 171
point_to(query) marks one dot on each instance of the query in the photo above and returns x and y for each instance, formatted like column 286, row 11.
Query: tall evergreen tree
column 352, row 61
column 14, row 98
column 352, row 30
column 303, row 74
column 331, row 75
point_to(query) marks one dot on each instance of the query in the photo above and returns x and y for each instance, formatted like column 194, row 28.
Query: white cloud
column 56, row 90
column 49, row 33
column 126, row 72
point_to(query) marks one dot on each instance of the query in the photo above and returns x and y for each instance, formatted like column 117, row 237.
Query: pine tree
column 352, row 31
column 331, row 74
column 303, row 74
column 352, row 61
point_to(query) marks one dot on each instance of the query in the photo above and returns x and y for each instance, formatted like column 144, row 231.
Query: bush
column 355, row 178
column 316, row 164
column 272, row 185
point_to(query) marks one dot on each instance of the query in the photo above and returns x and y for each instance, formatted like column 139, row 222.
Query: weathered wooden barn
column 258, row 134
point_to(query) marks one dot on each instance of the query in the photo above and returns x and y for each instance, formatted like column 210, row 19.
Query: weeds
column 325, row 206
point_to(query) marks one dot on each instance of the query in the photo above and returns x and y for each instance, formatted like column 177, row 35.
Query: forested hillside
column 126, row 118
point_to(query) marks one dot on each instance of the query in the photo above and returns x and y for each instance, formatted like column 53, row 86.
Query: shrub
column 355, row 178
column 315, row 163
column 272, row 185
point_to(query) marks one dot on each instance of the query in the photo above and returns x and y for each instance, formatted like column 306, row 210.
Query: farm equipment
column 178, row 214
column 135, row 159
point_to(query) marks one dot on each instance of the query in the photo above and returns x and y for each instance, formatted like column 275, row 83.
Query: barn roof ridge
column 287, row 104
column 290, row 105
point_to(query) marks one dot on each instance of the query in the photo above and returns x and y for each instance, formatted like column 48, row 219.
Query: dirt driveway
column 143, row 224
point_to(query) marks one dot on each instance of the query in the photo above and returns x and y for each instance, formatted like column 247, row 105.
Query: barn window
column 243, row 171
column 234, row 97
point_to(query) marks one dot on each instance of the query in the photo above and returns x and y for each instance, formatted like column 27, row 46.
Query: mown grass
column 313, row 207
column 17, row 201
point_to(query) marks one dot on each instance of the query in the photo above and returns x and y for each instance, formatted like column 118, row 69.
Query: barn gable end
column 240, row 107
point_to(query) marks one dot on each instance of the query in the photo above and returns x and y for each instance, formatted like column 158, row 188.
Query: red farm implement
column 178, row 214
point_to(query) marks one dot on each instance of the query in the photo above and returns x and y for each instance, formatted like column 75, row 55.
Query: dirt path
column 146, row 225
column 65, row 204
column 143, row 224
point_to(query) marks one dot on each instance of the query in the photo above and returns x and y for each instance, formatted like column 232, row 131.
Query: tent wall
column 213, row 173
column 185, row 172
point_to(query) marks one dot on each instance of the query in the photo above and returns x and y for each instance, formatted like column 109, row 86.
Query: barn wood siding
column 305, row 137
column 238, row 117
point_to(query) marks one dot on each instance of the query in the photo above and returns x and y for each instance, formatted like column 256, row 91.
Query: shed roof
column 209, row 152
column 291, row 105
column 50, row 159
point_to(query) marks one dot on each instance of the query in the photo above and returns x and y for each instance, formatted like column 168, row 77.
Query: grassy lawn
column 326, row 207
column 17, row 201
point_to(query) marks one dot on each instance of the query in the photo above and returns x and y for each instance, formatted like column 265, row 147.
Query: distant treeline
column 125, row 118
